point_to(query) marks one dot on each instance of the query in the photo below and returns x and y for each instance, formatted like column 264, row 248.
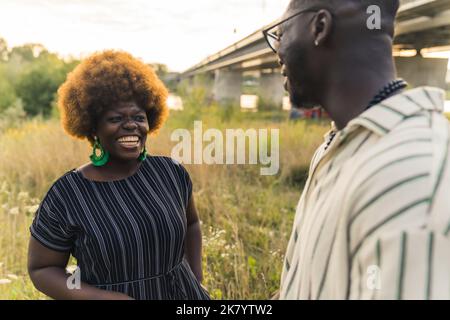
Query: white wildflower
column 32, row 209
column 5, row 281
column 12, row 276
column 14, row 210
column 23, row 195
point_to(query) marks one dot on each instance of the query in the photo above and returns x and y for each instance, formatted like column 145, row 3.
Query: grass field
column 246, row 217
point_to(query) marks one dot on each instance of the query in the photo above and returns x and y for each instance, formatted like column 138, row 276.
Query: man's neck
column 348, row 94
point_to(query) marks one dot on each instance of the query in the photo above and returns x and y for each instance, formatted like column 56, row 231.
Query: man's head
column 327, row 38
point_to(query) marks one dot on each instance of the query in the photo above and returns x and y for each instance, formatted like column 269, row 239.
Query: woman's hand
column 112, row 295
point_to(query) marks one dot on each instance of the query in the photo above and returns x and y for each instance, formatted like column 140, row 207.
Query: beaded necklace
column 384, row 93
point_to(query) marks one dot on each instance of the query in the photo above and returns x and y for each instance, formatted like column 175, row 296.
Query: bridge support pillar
column 227, row 86
column 419, row 71
column 271, row 90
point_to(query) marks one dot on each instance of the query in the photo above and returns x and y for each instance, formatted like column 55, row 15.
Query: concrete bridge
column 250, row 67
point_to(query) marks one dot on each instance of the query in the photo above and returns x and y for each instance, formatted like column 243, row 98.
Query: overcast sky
column 178, row 33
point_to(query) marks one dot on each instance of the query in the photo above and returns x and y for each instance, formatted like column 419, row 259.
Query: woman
column 128, row 218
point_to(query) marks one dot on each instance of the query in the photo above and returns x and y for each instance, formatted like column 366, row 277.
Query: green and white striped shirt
column 373, row 221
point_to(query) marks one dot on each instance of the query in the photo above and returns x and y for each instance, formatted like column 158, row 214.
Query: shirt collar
column 383, row 117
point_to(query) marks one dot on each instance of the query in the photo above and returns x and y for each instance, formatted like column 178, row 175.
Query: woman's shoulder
column 57, row 193
column 167, row 164
column 164, row 160
column 60, row 184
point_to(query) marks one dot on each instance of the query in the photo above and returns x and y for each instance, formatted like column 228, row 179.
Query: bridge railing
column 409, row 10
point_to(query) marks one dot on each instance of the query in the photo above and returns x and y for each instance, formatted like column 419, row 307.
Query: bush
column 38, row 85
column 12, row 117
column 7, row 92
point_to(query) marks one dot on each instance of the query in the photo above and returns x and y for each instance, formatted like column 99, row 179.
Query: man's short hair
column 388, row 7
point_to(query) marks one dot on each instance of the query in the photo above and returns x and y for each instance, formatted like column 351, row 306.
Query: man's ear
column 322, row 25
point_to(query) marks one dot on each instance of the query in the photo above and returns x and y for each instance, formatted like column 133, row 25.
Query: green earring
column 143, row 155
column 103, row 158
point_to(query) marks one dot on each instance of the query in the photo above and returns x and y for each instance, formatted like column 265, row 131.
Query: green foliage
column 3, row 50
column 266, row 104
column 160, row 69
column 7, row 92
column 25, row 53
column 32, row 74
column 194, row 103
column 37, row 86
column 13, row 116
column 227, row 111
column 37, row 90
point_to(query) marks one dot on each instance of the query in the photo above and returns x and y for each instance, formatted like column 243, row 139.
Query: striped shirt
column 127, row 235
column 373, row 221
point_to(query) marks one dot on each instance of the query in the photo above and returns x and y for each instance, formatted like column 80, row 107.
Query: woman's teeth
column 129, row 142
column 128, row 138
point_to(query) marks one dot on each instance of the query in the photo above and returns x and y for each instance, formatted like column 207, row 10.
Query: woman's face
column 122, row 130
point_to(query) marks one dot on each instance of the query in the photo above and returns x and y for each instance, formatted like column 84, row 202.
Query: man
column 373, row 221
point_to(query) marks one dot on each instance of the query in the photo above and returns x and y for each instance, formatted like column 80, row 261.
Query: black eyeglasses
column 271, row 33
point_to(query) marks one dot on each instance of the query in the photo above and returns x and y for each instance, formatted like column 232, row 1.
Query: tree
column 160, row 69
column 37, row 86
column 31, row 74
column 29, row 51
column 7, row 93
column 3, row 50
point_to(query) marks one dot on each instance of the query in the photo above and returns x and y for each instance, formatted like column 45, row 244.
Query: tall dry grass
column 246, row 218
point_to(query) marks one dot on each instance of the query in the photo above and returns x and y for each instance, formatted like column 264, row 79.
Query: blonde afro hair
column 104, row 79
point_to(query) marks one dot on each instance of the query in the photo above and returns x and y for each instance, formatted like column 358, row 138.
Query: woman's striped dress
column 127, row 235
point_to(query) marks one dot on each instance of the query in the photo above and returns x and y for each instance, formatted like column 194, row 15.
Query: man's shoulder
column 410, row 110
column 404, row 154
column 410, row 159
column 423, row 132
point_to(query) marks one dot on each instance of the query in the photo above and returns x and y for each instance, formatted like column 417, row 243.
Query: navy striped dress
column 127, row 235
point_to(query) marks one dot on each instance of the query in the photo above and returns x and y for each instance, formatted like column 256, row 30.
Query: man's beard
column 299, row 98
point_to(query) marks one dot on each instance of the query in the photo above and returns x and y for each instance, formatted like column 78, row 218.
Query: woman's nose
column 130, row 124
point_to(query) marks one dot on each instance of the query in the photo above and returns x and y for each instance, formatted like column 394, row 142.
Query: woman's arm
column 193, row 241
column 46, row 268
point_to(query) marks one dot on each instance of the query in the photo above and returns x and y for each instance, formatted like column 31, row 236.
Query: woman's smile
column 129, row 142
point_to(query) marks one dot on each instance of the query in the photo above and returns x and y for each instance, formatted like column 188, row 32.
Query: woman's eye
column 115, row 119
column 139, row 118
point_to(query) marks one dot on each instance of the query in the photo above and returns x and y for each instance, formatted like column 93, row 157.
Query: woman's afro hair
column 104, row 79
